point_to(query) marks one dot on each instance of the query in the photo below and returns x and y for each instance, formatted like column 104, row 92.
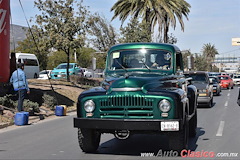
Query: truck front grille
column 127, row 106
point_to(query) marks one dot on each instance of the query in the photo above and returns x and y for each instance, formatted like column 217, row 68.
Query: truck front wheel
column 178, row 141
column 88, row 140
column 193, row 125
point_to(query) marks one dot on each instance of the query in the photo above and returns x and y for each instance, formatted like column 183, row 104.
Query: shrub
column 7, row 101
column 30, row 106
column 49, row 101
column 84, row 81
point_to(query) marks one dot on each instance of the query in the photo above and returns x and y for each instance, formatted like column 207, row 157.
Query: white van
column 31, row 64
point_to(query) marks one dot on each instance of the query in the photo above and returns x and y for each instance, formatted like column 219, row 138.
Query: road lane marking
column 228, row 94
column 226, row 104
column 220, row 129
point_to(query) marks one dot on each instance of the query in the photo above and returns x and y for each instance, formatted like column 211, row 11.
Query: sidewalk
column 36, row 118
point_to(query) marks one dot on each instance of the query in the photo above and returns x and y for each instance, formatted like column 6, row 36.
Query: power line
column 230, row 51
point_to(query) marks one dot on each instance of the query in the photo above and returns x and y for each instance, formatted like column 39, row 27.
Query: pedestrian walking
column 20, row 85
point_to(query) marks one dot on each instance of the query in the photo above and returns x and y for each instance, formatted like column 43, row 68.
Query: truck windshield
column 140, row 58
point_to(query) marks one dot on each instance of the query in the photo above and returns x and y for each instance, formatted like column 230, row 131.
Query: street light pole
column 75, row 55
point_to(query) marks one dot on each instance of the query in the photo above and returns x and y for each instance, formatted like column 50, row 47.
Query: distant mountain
column 17, row 33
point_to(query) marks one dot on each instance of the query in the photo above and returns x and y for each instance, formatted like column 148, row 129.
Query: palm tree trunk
column 166, row 29
column 147, row 20
column 165, row 34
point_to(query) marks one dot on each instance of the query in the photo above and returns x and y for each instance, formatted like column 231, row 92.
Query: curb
column 32, row 119
column 4, row 125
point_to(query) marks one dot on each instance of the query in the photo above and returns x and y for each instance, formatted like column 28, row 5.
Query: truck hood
column 144, row 84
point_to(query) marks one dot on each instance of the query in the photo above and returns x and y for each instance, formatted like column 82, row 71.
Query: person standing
column 20, row 85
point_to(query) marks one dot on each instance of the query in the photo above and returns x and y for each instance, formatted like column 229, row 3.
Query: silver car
column 204, row 86
column 216, row 85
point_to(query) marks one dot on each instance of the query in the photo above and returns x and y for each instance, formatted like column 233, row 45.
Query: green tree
column 209, row 51
column 60, row 27
column 135, row 32
column 200, row 62
column 56, row 58
column 101, row 59
column 103, row 34
column 85, row 56
column 163, row 13
column 29, row 46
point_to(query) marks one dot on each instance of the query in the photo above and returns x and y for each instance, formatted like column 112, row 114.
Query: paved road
column 218, row 131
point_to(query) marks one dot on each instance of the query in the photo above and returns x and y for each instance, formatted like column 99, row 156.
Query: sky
column 215, row 22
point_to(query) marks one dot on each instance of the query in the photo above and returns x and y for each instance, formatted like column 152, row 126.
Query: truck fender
column 192, row 97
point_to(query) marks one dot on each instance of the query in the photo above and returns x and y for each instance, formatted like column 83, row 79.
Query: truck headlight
column 164, row 105
column 89, row 106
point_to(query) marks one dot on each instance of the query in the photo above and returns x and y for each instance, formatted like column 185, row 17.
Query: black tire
column 178, row 141
column 88, row 140
column 232, row 87
column 193, row 125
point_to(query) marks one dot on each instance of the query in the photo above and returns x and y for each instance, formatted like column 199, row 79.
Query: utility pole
column 75, row 55
column 190, row 62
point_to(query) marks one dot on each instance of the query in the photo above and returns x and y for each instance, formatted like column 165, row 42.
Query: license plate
column 170, row 126
column 202, row 94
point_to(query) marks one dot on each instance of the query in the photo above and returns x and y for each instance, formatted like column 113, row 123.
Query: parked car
column 216, row 85
column 214, row 74
column 200, row 79
column 45, row 74
column 86, row 73
column 226, row 81
column 236, row 79
column 61, row 70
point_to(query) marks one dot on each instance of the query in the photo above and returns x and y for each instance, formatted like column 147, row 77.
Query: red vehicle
column 226, row 81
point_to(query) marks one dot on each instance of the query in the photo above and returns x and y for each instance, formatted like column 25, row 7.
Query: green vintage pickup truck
column 144, row 91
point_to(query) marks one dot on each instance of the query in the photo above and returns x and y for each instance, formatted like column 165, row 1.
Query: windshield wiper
column 146, row 65
column 126, row 72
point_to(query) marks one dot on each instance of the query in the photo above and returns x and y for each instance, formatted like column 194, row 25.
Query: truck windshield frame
column 153, row 59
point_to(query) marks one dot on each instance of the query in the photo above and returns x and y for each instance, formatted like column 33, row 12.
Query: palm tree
column 209, row 51
column 161, row 12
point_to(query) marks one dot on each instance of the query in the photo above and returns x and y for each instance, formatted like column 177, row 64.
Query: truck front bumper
column 125, row 124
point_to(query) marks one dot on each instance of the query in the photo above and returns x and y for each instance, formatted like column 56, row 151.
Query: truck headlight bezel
column 164, row 105
column 89, row 106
